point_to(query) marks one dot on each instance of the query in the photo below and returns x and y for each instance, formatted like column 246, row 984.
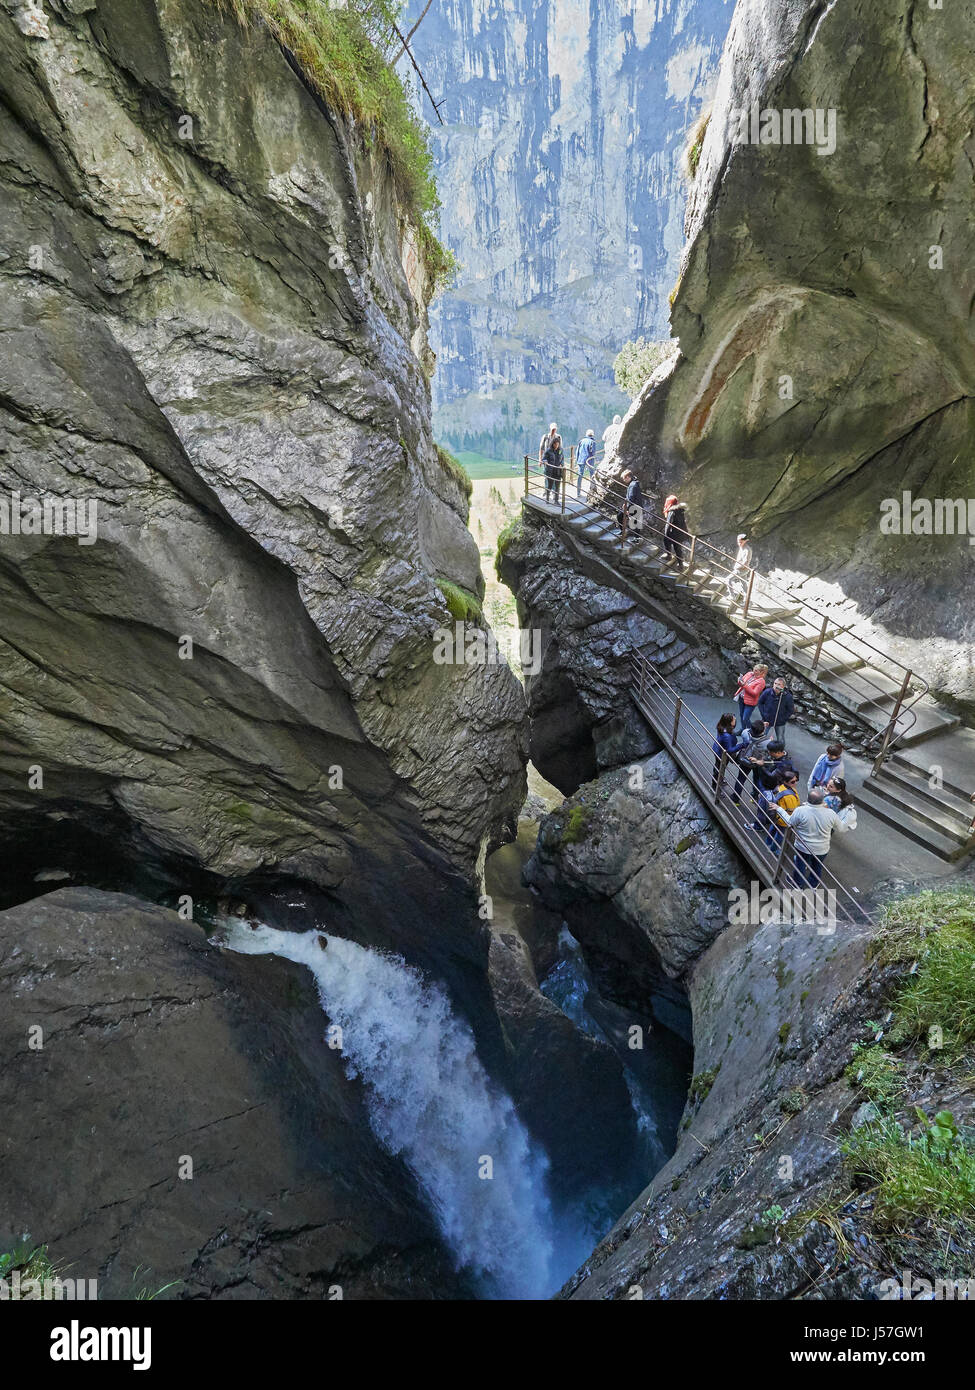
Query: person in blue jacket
column 776, row 707
column 829, row 765
column 585, row 459
column 726, row 742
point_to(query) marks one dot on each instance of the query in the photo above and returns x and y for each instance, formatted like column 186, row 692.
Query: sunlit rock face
column 558, row 160
column 825, row 320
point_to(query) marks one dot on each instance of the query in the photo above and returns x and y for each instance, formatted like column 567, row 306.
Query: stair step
column 922, row 834
column 921, row 809
column 902, row 764
column 914, row 783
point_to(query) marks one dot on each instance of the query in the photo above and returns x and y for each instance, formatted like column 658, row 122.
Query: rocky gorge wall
column 209, row 332
column 824, row 311
column 563, row 128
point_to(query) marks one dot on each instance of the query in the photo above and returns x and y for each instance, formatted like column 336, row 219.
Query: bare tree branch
column 409, row 53
column 411, row 33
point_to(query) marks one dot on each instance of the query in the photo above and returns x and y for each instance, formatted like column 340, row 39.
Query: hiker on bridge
column 545, row 441
column 752, row 757
column 675, row 529
column 830, row 764
column 725, row 742
column 630, row 515
column 837, row 796
column 782, row 801
column 586, row 459
column 737, row 581
column 770, row 776
column 748, row 692
column 814, row 823
column 553, row 461
column 776, row 707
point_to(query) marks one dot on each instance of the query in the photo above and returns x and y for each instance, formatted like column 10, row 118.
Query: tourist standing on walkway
column 725, row 742
column 830, row 764
column 546, row 441
column 771, row 775
column 753, row 756
column 776, row 707
column 782, row 801
column 837, row 796
column 675, row 529
column 630, row 516
column 554, row 463
column 814, row 823
column 585, row 459
column 750, row 687
column 737, row 581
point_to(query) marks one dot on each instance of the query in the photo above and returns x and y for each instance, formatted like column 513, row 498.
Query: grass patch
column 575, row 826
column 455, row 469
column 928, row 1175
column 877, row 1072
column 701, row 1083
column 464, row 606
column 935, row 1005
column 513, row 531
column 344, row 52
column 31, row 1260
column 694, row 145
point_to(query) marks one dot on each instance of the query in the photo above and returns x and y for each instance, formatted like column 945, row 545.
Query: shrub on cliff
column 637, row 360
column 455, row 469
column 345, row 52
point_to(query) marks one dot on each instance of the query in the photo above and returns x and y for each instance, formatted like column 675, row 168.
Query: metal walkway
column 890, row 701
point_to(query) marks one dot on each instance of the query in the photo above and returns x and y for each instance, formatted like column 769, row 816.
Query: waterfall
column 430, row 1100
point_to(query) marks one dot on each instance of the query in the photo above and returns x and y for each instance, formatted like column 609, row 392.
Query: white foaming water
column 430, row 1100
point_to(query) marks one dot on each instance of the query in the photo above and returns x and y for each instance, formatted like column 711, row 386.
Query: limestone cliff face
column 825, row 319
column 213, row 326
column 563, row 128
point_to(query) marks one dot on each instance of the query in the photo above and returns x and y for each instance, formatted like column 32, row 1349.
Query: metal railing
column 774, row 851
column 760, row 598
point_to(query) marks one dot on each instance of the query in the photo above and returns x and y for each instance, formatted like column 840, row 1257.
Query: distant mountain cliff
column 558, row 159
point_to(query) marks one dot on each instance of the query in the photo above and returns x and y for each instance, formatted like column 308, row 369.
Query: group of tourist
column 757, row 748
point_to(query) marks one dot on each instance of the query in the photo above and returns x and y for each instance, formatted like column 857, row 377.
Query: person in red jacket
column 750, row 687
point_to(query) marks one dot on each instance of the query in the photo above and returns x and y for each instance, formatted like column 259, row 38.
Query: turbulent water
column 430, row 1101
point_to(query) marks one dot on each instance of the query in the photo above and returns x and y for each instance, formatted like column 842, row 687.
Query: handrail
column 825, row 631
column 778, row 863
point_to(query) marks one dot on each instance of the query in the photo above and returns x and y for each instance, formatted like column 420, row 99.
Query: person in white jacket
column 814, row 824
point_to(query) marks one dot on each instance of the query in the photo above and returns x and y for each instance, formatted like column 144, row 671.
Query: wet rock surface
column 157, row 1049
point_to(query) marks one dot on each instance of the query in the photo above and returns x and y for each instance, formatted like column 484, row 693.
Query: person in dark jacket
column 675, row 529
column 726, row 742
column 553, row 461
column 776, row 707
column 630, row 515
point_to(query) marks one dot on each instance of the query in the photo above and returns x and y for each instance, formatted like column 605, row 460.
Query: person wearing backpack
column 675, row 529
column 782, row 801
column 585, row 459
column 752, row 757
column 776, row 707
